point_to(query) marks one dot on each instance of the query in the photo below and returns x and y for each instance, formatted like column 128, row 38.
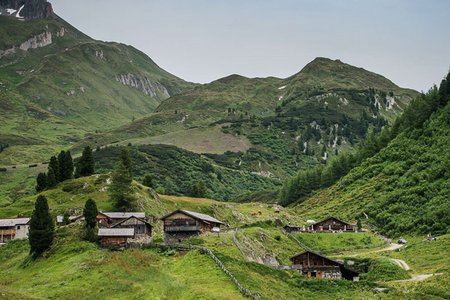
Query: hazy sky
column 407, row 41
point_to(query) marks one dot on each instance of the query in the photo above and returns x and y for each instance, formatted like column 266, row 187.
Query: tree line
column 419, row 111
column 61, row 168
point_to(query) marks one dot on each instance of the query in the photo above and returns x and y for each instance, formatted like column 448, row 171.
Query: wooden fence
column 243, row 290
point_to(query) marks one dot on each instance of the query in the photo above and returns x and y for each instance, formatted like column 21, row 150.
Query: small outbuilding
column 14, row 229
column 115, row 237
column 182, row 224
column 289, row 228
column 315, row 265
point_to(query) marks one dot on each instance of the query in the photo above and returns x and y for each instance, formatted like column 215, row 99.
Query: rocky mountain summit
column 27, row 9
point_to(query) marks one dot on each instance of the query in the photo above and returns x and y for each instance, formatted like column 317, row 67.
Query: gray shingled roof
column 13, row 222
column 127, row 232
column 196, row 215
column 124, row 215
column 59, row 219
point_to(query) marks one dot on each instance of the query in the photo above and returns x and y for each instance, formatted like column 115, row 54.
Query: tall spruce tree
column 85, row 166
column 126, row 160
column 120, row 190
column 51, row 178
column 68, row 166
column 42, row 228
column 54, row 164
column 90, row 216
column 62, row 166
column 41, row 182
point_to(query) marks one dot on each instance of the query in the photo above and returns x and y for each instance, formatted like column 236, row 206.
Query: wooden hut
column 115, row 237
column 141, row 227
column 182, row 224
column 313, row 264
column 13, row 229
column 108, row 219
column 332, row 224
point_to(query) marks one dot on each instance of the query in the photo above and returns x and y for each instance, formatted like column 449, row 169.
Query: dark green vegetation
column 403, row 182
column 59, row 169
column 42, row 228
column 176, row 171
column 122, row 177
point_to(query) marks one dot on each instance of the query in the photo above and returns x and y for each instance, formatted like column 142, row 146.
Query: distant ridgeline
column 404, row 172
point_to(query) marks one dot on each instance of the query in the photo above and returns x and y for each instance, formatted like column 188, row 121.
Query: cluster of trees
column 59, row 169
column 415, row 115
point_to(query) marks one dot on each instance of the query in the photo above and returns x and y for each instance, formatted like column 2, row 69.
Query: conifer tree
column 54, row 164
column 90, row 216
column 41, row 182
column 120, row 190
column 42, row 228
column 85, row 166
column 68, row 166
column 51, row 178
column 62, row 166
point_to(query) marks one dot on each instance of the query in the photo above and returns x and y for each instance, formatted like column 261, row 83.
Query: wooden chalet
column 13, row 229
column 115, row 237
column 108, row 219
column 182, row 224
column 141, row 227
column 331, row 224
column 313, row 264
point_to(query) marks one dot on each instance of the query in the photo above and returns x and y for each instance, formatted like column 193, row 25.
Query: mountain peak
column 27, row 9
column 335, row 74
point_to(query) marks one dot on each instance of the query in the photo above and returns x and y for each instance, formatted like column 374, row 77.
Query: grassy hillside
column 70, row 85
column 73, row 266
column 288, row 124
column 405, row 186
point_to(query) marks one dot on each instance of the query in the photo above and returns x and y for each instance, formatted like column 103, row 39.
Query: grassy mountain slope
column 405, row 186
column 290, row 123
column 66, row 85
column 73, row 266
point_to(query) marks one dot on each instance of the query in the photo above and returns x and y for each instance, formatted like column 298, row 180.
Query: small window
column 18, row 227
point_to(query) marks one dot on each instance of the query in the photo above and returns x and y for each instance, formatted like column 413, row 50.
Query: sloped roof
column 13, row 222
column 327, row 218
column 124, row 215
column 119, row 232
column 195, row 215
column 329, row 259
column 132, row 217
column 59, row 219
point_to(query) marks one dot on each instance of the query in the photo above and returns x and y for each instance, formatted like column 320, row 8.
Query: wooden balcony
column 179, row 228
column 8, row 232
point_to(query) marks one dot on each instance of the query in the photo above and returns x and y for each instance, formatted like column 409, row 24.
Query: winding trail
column 418, row 277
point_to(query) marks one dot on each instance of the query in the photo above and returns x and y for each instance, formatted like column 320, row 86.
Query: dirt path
column 391, row 247
column 401, row 263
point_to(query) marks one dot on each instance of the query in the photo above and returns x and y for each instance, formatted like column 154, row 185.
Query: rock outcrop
column 143, row 84
column 37, row 41
column 27, row 9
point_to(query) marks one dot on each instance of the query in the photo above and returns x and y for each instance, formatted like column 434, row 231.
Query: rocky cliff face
column 143, row 84
column 27, row 9
column 38, row 41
